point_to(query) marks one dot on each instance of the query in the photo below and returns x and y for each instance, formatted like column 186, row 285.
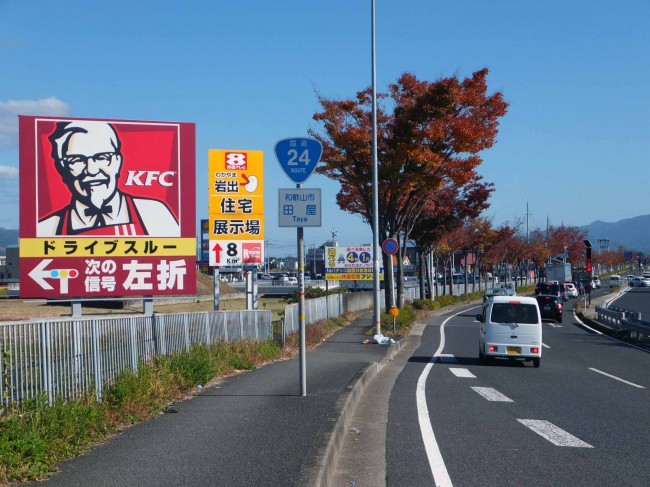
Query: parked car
column 281, row 278
column 596, row 282
column 265, row 277
column 550, row 307
column 292, row 281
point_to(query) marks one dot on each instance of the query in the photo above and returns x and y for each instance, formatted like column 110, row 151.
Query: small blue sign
column 390, row 246
column 298, row 157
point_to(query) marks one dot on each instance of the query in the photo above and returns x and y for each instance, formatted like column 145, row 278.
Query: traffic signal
column 588, row 259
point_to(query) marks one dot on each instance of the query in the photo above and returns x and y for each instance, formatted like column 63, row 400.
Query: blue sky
column 574, row 144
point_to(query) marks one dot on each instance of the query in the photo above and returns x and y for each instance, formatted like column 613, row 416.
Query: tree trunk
column 465, row 254
column 400, row 273
column 422, row 271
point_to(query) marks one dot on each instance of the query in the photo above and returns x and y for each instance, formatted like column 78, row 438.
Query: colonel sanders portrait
column 88, row 156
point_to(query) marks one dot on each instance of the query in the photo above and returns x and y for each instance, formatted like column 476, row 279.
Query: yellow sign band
column 107, row 247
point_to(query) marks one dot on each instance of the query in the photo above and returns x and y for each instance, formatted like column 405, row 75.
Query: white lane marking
column 607, row 336
column 554, row 434
column 617, row 378
column 436, row 462
column 463, row 373
column 554, row 325
column 448, row 358
column 492, row 394
column 545, row 345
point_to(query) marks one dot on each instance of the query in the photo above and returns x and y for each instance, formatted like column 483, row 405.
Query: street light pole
column 375, row 191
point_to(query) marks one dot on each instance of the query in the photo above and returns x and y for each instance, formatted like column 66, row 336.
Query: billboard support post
column 216, row 299
column 147, row 305
column 76, row 308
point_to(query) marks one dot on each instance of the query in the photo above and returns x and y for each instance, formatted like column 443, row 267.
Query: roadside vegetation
column 35, row 435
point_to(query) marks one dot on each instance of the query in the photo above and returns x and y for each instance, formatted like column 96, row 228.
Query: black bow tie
column 99, row 213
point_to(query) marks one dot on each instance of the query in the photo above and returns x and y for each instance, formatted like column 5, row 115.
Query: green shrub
column 403, row 321
column 424, row 304
column 193, row 367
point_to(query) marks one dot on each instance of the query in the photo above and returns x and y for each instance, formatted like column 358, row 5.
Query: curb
column 324, row 472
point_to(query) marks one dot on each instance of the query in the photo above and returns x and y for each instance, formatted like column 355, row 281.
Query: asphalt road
column 635, row 299
column 580, row 419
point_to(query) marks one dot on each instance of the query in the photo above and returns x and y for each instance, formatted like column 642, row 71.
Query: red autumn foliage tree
column 450, row 207
column 429, row 135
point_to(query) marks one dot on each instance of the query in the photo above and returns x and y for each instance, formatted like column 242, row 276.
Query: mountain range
column 7, row 237
column 630, row 233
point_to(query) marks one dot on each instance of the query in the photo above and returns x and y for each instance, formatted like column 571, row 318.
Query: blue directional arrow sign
column 298, row 157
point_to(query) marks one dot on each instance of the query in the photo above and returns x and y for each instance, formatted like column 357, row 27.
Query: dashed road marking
column 553, row 433
column 463, row 373
column 617, row 378
column 545, row 345
column 447, row 358
column 492, row 394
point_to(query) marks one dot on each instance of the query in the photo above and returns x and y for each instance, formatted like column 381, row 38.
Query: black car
column 551, row 290
column 550, row 307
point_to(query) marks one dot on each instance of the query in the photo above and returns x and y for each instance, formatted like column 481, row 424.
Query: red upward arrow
column 217, row 252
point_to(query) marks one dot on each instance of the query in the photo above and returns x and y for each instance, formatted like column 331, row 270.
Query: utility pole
column 527, row 215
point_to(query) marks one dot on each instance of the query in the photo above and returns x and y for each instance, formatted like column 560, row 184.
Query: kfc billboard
column 107, row 208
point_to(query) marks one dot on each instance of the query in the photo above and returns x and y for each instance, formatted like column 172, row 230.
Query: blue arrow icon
column 298, row 157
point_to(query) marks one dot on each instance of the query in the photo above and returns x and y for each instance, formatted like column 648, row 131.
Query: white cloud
column 8, row 172
column 10, row 109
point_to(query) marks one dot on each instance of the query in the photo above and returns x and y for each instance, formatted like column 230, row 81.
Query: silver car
column 571, row 290
column 640, row 282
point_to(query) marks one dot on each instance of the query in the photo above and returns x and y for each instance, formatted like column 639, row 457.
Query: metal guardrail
column 640, row 327
column 71, row 357
column 609, row 317
column 621, row 319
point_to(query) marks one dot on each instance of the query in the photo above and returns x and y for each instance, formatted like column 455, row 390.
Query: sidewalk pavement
column 252, row 429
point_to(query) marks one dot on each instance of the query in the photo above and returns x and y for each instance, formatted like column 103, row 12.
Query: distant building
column 9, row 270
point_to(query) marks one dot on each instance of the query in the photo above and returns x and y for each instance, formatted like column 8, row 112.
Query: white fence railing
column 68, row 358
column 335, row 305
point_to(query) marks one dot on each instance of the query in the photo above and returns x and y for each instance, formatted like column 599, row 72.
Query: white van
column 511, row 327
column 614, row 280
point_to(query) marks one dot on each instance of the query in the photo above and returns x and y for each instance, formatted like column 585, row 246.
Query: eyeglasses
column 77, row 161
